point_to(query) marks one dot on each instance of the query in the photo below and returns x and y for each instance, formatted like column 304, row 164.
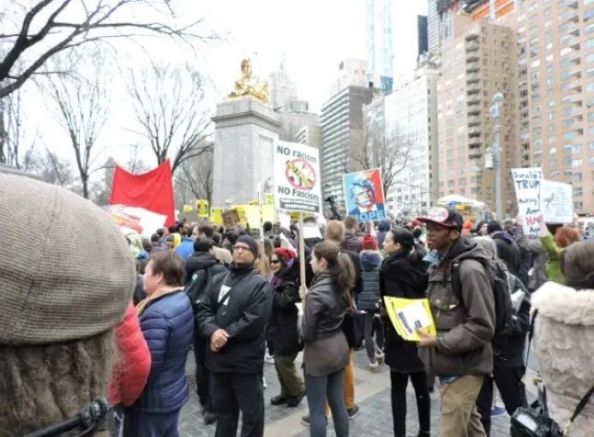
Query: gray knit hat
column 65, row 270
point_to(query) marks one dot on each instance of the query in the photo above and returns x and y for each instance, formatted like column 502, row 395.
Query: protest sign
column 202, row 207
column 408, row 316
column 297, row 184
column 556, row 202
column 364, row 194
column 216, row 216
column 527, row 183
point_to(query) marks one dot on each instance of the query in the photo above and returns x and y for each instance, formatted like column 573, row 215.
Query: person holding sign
column 403, row 275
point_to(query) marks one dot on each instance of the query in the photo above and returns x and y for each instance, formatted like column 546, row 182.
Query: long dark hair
column 340, row 267
column 406, row 239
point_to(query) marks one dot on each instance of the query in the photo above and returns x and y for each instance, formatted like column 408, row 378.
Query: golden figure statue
column 246, row 87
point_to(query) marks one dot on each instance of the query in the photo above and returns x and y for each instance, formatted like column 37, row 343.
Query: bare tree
column 50, row 168
column 33, row 33
column 194, row 178
column 83, row 107
column 16, row 144
column 388, row 152
column 167, row 103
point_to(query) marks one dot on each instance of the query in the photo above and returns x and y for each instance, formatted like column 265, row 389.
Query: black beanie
column 251, row 243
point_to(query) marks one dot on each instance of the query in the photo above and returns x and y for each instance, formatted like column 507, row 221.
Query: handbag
column 353, row 326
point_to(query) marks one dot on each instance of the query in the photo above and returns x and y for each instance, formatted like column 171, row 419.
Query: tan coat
column 564, row 346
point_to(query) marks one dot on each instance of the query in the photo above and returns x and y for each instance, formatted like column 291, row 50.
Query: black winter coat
column 244, row 317
column 507, row 251
column 402, row 277
column 283, row 332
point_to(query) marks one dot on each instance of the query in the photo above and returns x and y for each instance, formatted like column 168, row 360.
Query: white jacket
column 564, row 345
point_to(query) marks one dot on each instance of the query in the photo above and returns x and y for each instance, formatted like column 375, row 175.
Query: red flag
column 152, row 190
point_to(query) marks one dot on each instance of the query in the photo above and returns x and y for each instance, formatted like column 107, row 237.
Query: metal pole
column 497, row 101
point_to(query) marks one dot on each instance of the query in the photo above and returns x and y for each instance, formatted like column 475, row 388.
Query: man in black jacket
column 201, row 268
column 233, row 315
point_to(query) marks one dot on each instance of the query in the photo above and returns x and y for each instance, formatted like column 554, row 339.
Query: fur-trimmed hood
column 565, row 304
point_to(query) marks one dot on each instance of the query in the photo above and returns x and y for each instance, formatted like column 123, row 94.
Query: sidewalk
column 372, row 393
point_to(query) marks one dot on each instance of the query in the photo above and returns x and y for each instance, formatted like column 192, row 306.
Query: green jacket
column 553, row 264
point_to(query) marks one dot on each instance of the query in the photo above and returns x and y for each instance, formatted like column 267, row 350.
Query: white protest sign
column 527, row 184
column 297, row 185
column 556, row 202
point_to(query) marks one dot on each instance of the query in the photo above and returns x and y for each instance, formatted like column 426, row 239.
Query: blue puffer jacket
column 168, row 325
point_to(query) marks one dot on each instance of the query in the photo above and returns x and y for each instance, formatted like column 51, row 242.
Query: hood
column 503, row 235
column 564, row 304
column 200, row 261
column 410, row 273
column 383, row 226
column 352, row 242
column 370, row 260
column 466, row 248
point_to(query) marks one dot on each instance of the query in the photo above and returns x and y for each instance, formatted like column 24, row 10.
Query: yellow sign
column 254, row 202
column 409, row 316
column 188, row 209
column 294, row 216
column 202, row 207
column 216, row 216
column 268, row 199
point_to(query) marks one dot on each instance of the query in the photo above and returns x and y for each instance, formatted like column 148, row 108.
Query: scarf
column 141, row 306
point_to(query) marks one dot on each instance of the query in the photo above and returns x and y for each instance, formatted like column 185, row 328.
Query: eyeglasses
column 237, row 247
column 274, row 261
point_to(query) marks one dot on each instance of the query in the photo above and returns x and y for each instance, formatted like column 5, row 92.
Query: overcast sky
column 311, row 36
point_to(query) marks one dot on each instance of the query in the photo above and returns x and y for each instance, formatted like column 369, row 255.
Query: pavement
column 372, row 394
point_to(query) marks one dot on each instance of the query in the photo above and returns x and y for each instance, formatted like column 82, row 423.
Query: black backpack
column 501, row 295
column 197, row 286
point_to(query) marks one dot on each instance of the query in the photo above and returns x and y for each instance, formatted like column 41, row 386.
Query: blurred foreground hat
column 446, row 217
column 74, row 280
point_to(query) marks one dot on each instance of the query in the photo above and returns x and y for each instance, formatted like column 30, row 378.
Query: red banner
column 152, row 190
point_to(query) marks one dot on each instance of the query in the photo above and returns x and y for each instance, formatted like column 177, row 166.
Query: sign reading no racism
column 297, row 177
column 527, row 183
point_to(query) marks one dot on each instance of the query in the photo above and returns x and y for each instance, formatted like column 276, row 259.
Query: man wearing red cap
column 461, row 354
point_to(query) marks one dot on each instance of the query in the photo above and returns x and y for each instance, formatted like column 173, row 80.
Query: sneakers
column 373, row 366
column 295, row 400
column 498, row 411
column 264, row 384
column 268, row 358
column 379, row 356
column 352, row 412
column 305, row 421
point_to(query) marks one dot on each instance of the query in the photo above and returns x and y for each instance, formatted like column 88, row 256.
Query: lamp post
column 496, row 150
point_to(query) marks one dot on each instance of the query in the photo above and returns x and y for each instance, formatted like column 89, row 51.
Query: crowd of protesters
column 85, row 319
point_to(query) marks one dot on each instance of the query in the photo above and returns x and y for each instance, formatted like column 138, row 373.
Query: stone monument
column 246, row 130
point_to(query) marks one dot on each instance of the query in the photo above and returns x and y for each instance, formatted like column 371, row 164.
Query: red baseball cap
column 446, row 217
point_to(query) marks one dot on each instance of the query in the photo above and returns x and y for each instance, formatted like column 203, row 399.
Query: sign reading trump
column 364, row 194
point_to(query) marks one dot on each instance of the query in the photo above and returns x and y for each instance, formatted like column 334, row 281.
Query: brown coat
column 464, row 328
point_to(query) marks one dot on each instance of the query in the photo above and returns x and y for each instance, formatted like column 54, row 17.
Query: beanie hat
column 75, row 281
column 251, row 243
column 369, row 242
column 577, row 264
column 285, row 254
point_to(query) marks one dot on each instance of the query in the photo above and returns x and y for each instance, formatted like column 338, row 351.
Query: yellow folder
column 409, row 316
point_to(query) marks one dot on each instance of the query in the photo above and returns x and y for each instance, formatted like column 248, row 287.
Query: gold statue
column 246, row 87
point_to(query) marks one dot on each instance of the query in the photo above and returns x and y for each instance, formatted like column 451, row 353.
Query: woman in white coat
column 564, row 338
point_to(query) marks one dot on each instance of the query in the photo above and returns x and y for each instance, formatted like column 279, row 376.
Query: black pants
column 399, row 383
column 232, row 392
column 202, row 373
column 510, row 386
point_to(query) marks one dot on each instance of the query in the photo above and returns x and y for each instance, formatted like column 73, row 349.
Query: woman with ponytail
column 326, row 350
column 403, row 275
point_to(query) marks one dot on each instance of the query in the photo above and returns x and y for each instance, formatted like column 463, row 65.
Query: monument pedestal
column 245, row 134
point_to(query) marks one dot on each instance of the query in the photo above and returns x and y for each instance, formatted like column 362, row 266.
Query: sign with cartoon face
column 364, row 194
column 297, row 184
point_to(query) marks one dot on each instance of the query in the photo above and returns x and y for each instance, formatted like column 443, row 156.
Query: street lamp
column 496, row 151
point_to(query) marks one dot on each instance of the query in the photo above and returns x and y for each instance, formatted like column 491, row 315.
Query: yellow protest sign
column 202, row 207
column 242, row 214
column 294, row 216
column 409, row 316
column 216, row 216
column 268, row 199
column 188, row 209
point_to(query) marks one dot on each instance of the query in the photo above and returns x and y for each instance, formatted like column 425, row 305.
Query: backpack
column 501, row 295
column 197, row 286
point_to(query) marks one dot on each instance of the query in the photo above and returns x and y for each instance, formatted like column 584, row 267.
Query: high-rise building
column 380, row 55
column 283, row 89
column 299, row 125
column 476, row 64
column 411, row 143
column 341, row 121
column 422, row 45
column 351, row 72
column 556, row 43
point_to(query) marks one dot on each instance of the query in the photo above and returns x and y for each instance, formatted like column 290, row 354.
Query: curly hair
column 565, row 235
column 44, row 384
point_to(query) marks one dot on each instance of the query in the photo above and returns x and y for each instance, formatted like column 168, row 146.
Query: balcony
column 474, row 132
column 474, row 36
column 474, row 121
column 473, row 89
column 474, row 143
column 472, row 78
column 569, row 16
column 472, row 68
column 472, row 46
column 473, row 100
column 472, row 57
column 474, row 111
column 475, row 154
column 571, row 3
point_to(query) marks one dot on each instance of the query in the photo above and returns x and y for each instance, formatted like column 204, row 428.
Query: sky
column 310, row 36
